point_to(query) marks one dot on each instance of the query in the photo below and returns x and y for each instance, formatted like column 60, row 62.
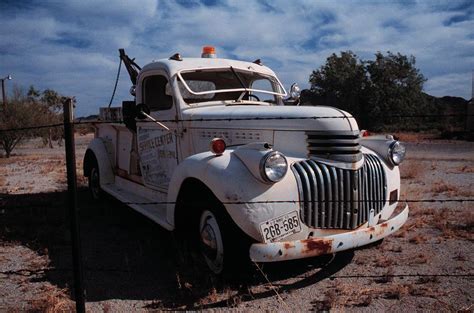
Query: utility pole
column 470, row 114
column 4, row 96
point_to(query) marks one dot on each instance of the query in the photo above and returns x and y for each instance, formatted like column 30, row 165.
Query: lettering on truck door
column 157, row 147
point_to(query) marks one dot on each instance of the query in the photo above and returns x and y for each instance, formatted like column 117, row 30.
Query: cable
column 116, row 83
column 222, row 119
column 326, row 201
column 31, row 127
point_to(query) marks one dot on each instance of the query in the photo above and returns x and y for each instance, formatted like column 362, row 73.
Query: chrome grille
column 338, row 198
column 339, row 146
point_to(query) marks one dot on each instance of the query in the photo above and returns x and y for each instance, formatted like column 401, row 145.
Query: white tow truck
column 212, row 149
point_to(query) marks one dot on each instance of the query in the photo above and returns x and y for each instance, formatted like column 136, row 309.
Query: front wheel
column 94, row 183
column 223, row 246
column 211, row 241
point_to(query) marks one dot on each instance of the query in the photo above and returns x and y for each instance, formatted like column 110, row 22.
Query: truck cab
column 209, row 148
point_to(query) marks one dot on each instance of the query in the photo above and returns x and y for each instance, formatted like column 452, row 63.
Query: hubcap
column 212, row 246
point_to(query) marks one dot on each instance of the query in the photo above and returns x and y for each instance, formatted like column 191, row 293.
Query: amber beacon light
column 208, row 52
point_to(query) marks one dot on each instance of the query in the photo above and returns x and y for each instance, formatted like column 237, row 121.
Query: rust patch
column 380, row 230
column 288, row 245
column 317, row 246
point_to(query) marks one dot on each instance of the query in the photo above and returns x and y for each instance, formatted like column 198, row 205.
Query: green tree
column 49, row 105
column 395, row 88
column 341, row 82
column 388, row 85
column 30, row 109
column 17, row 114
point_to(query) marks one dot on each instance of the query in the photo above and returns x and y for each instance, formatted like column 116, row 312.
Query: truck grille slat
column 339, row 146
column 335, row 198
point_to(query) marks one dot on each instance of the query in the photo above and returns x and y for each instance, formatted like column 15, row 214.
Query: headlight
column 273, row 167
column 396, row 152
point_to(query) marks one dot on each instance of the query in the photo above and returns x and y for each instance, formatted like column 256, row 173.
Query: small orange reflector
column 218, row 146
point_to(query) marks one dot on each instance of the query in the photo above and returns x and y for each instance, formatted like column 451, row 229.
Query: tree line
column 375, row 91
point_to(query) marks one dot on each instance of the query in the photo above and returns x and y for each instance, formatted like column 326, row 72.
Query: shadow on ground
column 127, row 256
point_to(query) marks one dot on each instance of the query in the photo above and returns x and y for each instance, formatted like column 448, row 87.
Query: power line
column 322, row 201
column 31, row 127
column 459, row 200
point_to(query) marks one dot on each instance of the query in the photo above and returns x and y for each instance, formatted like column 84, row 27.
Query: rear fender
column 103, row 157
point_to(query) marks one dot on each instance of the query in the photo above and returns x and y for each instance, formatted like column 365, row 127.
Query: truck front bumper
column 298, row 249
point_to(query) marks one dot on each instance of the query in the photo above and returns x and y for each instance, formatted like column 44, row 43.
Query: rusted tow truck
column 212, row 147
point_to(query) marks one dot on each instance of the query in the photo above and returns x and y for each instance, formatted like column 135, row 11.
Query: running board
column 155, row 212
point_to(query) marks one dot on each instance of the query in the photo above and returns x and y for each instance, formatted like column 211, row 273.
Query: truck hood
column 294, row 118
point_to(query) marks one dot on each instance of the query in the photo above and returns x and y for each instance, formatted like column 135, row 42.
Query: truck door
column 157, row 147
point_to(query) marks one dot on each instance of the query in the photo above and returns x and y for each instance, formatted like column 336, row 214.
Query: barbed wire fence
column 80, row 121
column 69, row 124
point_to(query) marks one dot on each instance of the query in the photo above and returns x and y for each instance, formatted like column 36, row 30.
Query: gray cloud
column 71, row 46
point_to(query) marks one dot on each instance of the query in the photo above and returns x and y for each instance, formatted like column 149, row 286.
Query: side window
column 155, row 95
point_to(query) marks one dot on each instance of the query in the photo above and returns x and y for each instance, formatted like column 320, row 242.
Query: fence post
column 72, row 204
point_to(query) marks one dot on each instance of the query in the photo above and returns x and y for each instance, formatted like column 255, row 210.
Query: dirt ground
column 131, row 264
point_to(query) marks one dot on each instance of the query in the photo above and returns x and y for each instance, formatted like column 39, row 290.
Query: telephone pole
column 4, row 96
column 470, row 113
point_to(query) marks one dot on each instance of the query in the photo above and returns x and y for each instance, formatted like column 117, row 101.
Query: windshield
column 224, row 84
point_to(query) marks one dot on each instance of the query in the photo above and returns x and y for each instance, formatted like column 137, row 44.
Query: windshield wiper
column 241, row 84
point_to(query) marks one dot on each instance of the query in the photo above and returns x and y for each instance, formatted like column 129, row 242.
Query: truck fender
column 232, row 183
column 98, row 148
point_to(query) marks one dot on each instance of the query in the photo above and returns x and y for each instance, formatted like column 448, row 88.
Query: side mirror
column 295, row 92
column 142, row 107
column 294, row 95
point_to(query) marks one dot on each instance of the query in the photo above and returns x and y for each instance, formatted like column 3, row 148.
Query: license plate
column 280, row 227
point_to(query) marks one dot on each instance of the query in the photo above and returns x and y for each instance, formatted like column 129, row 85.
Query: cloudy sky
column 71, row 45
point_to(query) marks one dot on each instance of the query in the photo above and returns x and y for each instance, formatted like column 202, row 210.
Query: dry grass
column 383, row 261
column 464, row 169
column 411, row 169
column 345, row 295
column 52, row 300
column 417, row 239
column 454, row 224
column 420, row 258
column 442, row 187
column 465, row 193
column 414, row 137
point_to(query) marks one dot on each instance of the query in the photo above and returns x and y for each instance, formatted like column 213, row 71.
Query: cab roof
column 174, row 66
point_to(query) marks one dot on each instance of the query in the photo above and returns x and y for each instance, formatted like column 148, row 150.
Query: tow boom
column 132, row 67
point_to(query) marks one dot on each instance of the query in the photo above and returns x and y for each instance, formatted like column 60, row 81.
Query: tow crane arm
column 132, row 67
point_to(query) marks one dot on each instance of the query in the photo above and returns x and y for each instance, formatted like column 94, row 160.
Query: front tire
column 211, row 241
column 223, row 246
column 94, row 183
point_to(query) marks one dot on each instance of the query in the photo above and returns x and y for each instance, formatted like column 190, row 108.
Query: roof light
column 218, row 146
column 208, row 52
column 176, row 57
